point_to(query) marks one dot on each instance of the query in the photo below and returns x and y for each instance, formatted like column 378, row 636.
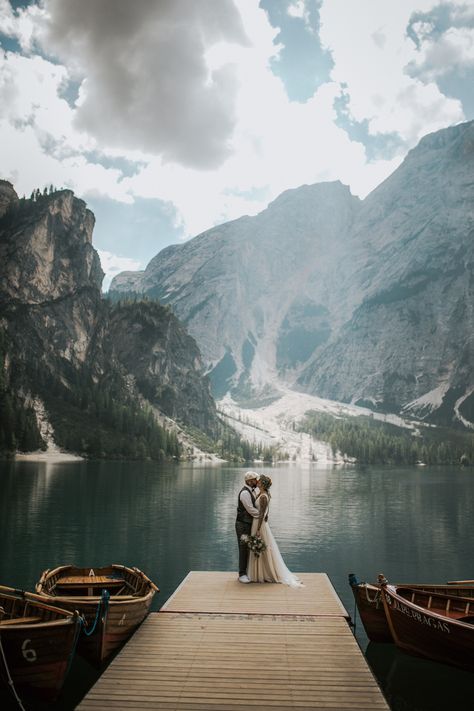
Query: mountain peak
column 8, row 196
column 455, row 139
column 314, row 192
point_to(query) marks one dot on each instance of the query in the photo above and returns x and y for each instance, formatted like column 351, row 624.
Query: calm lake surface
column 411, row 524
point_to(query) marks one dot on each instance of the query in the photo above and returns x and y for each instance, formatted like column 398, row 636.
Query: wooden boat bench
column 91, row 582
column 20, row 621
column 88, row 580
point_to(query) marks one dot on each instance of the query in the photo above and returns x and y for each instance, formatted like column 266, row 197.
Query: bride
column 268, row 566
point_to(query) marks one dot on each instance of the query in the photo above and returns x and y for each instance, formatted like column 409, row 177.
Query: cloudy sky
column 171, row 116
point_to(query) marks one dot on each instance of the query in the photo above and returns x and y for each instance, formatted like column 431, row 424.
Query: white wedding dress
column 269, row 566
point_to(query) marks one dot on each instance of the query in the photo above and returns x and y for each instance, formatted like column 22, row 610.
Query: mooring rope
column 10, row 680
column 355, row 617
column 102, row 604
column 80, row 621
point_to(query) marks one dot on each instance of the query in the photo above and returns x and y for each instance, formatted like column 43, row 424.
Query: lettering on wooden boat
column 28, row 652
column 418, row 616
column 122, row 619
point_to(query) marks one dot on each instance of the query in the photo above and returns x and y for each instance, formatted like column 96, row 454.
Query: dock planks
column 220, row 592
column 222, row 646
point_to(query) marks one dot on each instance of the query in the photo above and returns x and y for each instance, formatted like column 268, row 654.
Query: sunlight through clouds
column 192, row 103
column 370, row 61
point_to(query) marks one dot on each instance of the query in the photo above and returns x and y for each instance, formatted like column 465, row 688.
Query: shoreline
column 49, row 457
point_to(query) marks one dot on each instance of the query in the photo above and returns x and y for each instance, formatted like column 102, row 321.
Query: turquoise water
column 410, row 524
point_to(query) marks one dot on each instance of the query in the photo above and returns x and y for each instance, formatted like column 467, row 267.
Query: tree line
column 371, row 441
column 228, row 444
column 37, row 194
column 102, row 420
column 18, row 425
column 93, row 419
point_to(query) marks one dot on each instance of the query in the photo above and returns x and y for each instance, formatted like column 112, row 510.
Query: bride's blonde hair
column 264, row 482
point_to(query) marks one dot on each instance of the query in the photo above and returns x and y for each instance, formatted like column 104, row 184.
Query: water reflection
column 166, row 519
column 413, row 684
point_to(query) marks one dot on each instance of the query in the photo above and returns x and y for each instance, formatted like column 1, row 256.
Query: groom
column 246, row 512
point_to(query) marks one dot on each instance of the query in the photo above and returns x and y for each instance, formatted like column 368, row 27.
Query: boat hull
column 425, row 633
column 109, row 620
column 37, row 641
column 112, row 630
column 372, row 612
column 38, row 658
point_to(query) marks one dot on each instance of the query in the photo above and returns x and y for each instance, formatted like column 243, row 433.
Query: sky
column 171, row 116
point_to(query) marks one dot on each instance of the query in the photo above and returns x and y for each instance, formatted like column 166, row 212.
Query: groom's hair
column 251, row 475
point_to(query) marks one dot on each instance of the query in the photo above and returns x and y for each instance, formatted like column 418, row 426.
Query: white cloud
column 453, row 51
column 39, row 142
column 147, row 85
column 275, row 144
column 374, row 71
column 297, row 9
column 112, row 264
column 300, row 10
column 21, row 24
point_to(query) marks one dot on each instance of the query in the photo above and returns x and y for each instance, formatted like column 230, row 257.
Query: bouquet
column 256, row 544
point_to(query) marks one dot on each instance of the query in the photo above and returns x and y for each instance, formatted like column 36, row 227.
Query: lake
column 412, row 524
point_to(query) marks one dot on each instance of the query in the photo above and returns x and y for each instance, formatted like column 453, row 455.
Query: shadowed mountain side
column 354, row 300
column 251, row 289
column 152, row 346
column 69, row 354
column 409, row 291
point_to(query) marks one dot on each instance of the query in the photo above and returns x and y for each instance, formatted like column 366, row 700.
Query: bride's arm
column 263, row 502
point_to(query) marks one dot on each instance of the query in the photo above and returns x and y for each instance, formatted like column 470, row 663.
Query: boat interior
column 18, row 609
column 455, row 606
column 69, row 581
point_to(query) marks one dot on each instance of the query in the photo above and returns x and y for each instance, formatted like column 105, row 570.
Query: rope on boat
column 79, row 623
column 103, row 605
column 375, row 600
column 353, row 582
column 10, row 680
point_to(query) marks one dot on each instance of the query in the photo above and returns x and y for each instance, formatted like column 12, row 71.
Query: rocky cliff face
column 50, row 279
column 152, row 346
column 354, row 300
column 63, row 337
column 256, row 293
column 407, row 339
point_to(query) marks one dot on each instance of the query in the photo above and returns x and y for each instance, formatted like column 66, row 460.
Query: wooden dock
column 222, row 646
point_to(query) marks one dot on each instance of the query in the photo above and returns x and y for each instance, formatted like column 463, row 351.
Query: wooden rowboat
column 369, row 603
column 113, row 601
column 37, row 642
column 439, row 627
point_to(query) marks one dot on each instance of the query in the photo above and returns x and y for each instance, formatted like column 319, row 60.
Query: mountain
column 255, row 293
column 360, row 301
column 94, row 368
column 407, row 341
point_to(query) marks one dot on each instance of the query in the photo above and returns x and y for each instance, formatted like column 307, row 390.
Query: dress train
column 269, row 566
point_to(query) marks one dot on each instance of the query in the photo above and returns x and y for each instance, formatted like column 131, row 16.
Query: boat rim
column 391, row 589
column 95, row 599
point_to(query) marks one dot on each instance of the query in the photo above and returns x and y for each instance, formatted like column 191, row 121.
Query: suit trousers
column 240, row 529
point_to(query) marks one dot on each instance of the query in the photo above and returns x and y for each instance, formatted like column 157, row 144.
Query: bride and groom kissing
column 260, row 560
